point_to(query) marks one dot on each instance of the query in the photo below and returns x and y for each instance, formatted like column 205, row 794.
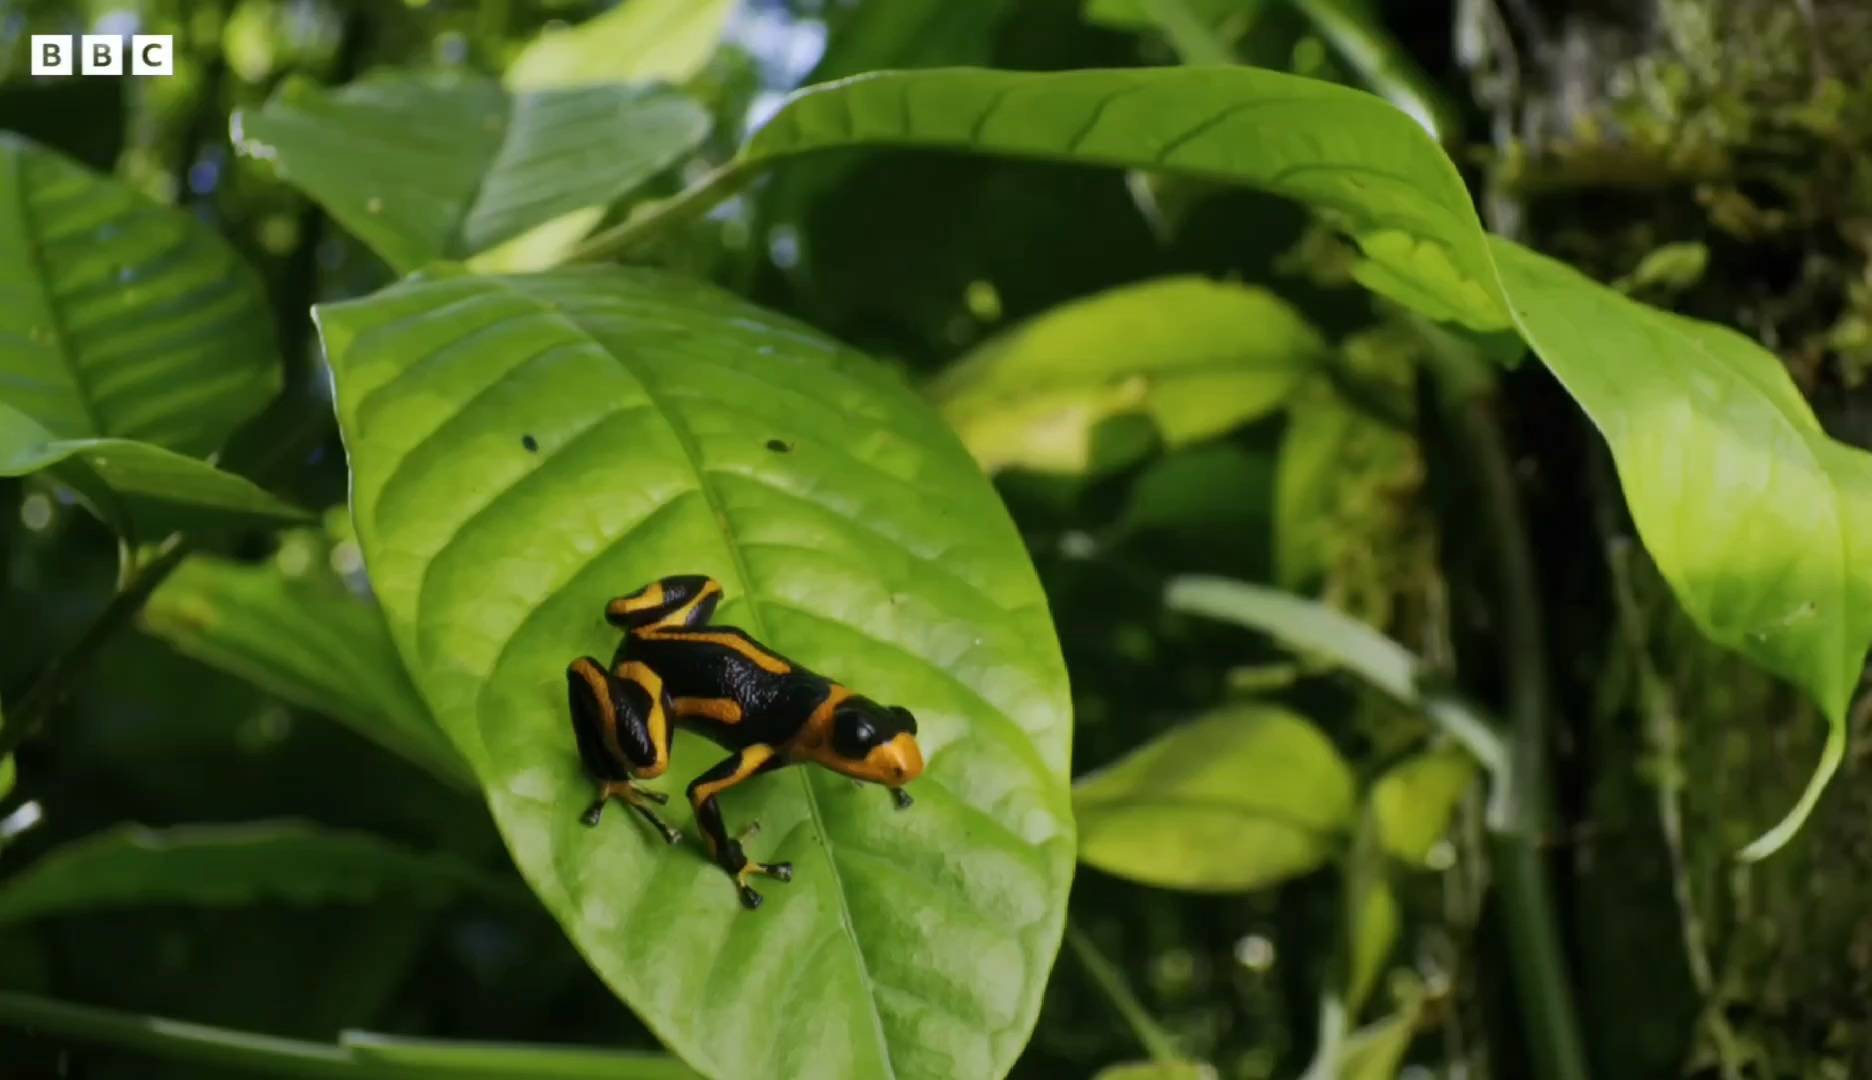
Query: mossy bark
column 1714, row 156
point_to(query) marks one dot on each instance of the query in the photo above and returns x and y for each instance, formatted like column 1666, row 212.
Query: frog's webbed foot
column 734, row 860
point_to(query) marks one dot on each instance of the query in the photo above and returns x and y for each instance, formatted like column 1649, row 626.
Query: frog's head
column 874, row 742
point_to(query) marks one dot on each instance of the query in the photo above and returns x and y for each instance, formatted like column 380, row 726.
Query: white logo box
column 103, row 54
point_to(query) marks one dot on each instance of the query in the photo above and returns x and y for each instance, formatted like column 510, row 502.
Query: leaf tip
column 1777, row 837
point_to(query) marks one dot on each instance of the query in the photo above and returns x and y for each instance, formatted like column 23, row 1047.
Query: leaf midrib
column 718, row 513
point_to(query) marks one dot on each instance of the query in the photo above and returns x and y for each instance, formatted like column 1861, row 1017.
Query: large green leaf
column 457, row 165
column 1762, row 524
column 1197, row 357
column 226, row 866
column 636, row 41
column 1780, row 578
column 128, row 481
column 131, row 338
column 1342, row 151
column 119, row 317
column 1239, row 799
column 524, row 448
column 292, row 627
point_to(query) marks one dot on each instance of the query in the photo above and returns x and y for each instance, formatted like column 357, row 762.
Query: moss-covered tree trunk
column 1714, row 156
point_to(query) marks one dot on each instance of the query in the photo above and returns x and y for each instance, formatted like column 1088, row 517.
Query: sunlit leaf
column 291, row 627
column 1195, row 356
column 1761, row 524
column 1242, row 798
column 1413, row 802
column 636, row 41
column 525, row 448
column 226, row 866
column 458, row 165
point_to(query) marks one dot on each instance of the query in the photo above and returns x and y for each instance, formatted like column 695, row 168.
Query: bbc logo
column 102, row 54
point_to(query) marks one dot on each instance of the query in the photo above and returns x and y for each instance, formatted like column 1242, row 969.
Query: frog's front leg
column 727, row 852
column 621, row 719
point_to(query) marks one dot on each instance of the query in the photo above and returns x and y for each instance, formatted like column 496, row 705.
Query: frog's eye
column 903, row 714
column 853, row 733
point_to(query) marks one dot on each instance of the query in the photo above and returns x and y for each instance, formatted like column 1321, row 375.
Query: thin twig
column 53, row 684
column 640, row 231
column 1151, row 1035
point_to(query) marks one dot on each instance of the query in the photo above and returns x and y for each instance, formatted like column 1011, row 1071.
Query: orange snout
column 898, row 761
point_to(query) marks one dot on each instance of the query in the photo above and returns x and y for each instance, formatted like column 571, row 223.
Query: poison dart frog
column 673, row 669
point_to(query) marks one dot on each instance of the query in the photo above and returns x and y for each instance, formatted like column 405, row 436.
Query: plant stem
column 1534, row 950
column 53, row 683
column 180, row 1040
column 1157, row 1042
column 638, row 231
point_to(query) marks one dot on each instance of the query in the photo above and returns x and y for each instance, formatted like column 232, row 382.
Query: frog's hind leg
column 622, row 723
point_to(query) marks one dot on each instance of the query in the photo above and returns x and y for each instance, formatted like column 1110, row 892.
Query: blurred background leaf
column 227, row 866
column 460, row 165
column 1196, row 357
column 636, row 41
column 1239, row 799
column 293, row 627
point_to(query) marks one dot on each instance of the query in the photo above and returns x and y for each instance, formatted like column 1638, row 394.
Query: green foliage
column 226, row 866
column 1760, row 522
column 137, row 486
column 1194, row 356
column 1341, row 640
column 679, row 430
column 460, row 166
column 292, row 627
column 637, row 41
column 1415, row 799
column 125, row 319
column 1375, row 174
column 1177, row 814
column 1181, row 394
column 1346, row 153
column 132, row 340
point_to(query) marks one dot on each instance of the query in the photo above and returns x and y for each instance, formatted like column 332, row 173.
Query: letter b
column 103, row 54
column 51, row 54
